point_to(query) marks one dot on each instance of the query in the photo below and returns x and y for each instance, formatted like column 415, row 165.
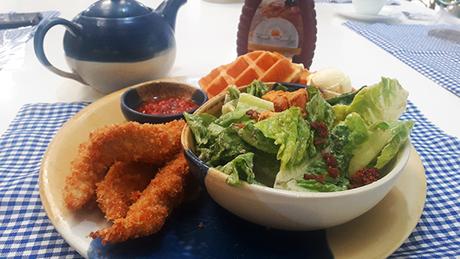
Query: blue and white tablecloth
column 25, row 230
column 432, row 50
column 12, row 42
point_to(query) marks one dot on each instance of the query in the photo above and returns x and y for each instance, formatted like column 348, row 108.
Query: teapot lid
column 116, row 9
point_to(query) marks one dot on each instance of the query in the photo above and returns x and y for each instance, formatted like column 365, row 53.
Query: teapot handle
column 42, row 29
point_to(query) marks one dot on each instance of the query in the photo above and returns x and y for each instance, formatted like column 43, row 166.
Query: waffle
column 261, row 65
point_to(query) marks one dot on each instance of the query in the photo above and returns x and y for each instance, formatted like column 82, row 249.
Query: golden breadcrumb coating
column 148, row 214
column 125, row 142
column 122, row 186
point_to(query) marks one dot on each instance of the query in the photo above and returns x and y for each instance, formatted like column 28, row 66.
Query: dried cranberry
column 319, row 141
column 330, row 159
column 318, row 178
column 320, row 128
column 333, row 172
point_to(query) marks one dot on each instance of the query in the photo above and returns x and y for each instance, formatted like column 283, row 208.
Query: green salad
column 300, row 141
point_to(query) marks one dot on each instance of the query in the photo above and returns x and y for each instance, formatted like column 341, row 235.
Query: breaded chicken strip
column 283, row 100
column 122, row 186
column 148, row 214
column 126, row 142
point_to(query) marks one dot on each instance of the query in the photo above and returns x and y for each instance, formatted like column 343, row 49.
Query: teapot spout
column 168, row 10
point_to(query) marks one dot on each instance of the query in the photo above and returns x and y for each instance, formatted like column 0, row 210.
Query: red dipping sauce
column 167, row 106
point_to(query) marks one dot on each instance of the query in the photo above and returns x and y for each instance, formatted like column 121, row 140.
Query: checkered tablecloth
column 432, row 50
column 25, row 230
column 12, row 42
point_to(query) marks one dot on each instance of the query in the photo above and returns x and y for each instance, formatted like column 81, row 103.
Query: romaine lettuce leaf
column 304, row 141
column 341, row 147
column 340, row 112
column 229, row 107
column 380, row 136
column 227, row 119
column 239, row 169
column 233, row 93
column 345, row 98
column 400, row 135
column 358, row 129
column 235, row 100
column 257, row 88
column 318, row 109
column 225, row 147
column 215, row 129
column 231, row 99
column 198, row 125
column 363, row 154
column 385, row 101
column 291, row 132
column 266, row 166
column 292, row 177
column 356, row 145
column 254, row 137
column 345, row 137
column 250, row 102
column 288, row 176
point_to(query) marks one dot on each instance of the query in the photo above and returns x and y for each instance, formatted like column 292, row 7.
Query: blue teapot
column 115, row 43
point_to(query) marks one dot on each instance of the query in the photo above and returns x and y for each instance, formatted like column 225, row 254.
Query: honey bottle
column 284, row 26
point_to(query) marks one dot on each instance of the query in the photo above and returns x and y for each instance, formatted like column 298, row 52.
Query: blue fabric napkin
column 432, row 50
column 25, row 230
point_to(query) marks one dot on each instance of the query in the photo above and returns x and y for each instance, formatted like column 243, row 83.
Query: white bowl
column 369, row 7
column 289, row 210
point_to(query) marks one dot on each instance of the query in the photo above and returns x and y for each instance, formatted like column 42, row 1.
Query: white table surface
column 206, row 38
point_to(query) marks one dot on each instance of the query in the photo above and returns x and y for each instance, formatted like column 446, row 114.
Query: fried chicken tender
column 283, row 100
column 126, row 142
column 121, row 187
column 148, row 214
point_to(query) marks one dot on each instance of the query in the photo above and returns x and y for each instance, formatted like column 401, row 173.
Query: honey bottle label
column 277, row 26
